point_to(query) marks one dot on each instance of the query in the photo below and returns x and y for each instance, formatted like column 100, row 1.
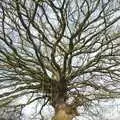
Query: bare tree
column 58, row 50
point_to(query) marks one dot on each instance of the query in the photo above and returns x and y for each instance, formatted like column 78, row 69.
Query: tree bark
column 65, row 112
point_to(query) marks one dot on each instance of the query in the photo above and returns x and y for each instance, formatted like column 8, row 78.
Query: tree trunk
column 62, row 110
column 65, row 112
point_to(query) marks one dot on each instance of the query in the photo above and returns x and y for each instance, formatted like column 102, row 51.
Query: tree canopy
column 54, row 50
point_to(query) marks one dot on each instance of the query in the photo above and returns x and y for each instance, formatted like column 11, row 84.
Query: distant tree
column 58, row 50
